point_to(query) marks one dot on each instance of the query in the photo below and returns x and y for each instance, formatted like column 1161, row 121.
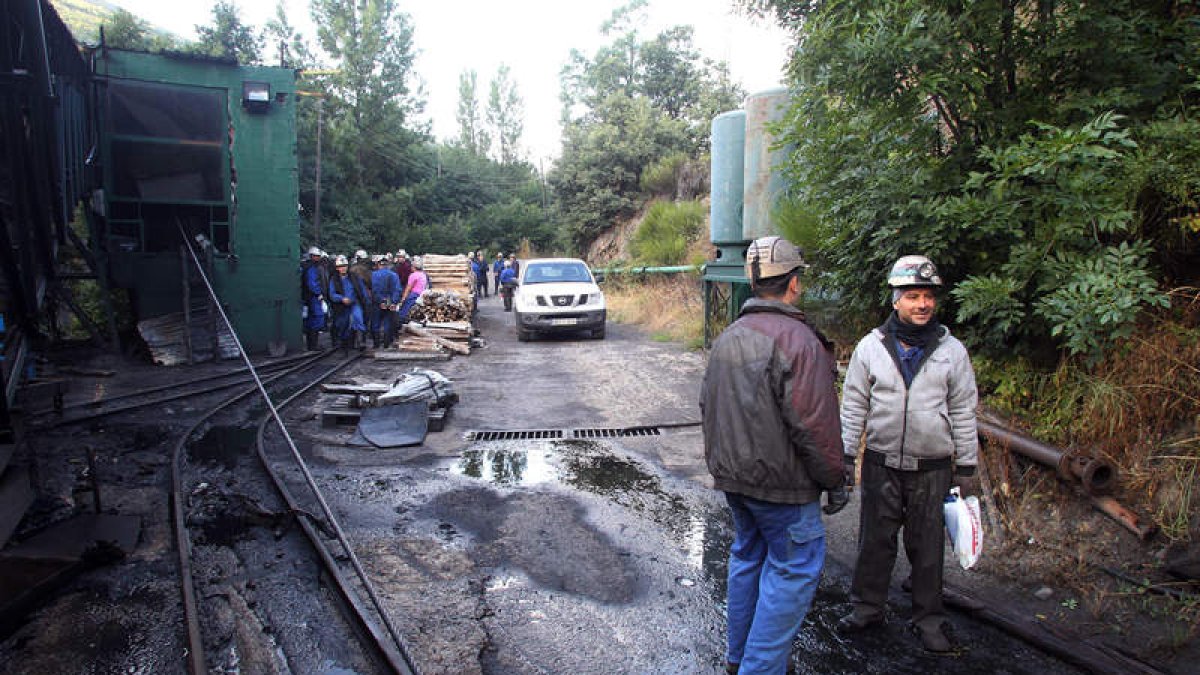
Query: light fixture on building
column 256, row 96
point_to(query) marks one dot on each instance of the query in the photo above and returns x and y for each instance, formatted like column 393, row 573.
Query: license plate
column 563, row 322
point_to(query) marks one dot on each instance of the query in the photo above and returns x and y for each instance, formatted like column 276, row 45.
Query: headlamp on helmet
column 914, row 271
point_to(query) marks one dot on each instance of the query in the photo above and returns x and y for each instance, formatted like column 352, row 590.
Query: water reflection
column 702, row 530
column 508, row 465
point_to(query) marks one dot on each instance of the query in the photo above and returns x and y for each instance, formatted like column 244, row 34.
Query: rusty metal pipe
column 1097, row 476
column 1128, row 519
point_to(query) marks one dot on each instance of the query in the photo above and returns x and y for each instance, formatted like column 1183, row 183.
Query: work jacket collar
column 757, row 305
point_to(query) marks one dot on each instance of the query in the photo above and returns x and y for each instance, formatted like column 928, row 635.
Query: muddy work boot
column 858, row 621
column 934, row 639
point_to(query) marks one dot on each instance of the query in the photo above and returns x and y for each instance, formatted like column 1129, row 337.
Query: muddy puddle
column 702, row 532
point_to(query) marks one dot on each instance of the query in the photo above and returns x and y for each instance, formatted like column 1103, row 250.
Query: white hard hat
column 772, row 257
column 914, row 271
column 417, row 263
column 360, row 254
column 401, row 253
column 313, row 250
column 376, row 258
column 340, row 261
column 508, row 263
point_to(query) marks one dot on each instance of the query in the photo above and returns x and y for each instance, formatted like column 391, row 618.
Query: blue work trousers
column 774, row 568
column 347, row 319
column 315, row 321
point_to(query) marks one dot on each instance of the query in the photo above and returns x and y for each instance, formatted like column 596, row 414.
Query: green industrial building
column 207, row 147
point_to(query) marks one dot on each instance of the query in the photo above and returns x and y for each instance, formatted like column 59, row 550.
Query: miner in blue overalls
column 314, row 282
column 385, row 286
column 347, row 295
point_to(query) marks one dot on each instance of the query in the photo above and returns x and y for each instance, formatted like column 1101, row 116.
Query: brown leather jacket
column 770, row 407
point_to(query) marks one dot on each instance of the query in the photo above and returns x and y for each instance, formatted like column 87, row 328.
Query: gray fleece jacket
column 934, row 418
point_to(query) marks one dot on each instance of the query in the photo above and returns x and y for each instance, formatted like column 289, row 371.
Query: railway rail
column 191, row 502
column 87, row 410
column 201, row 496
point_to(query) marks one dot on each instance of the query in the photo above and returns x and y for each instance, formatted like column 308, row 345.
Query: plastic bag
column 303, row 311
column 964, row 527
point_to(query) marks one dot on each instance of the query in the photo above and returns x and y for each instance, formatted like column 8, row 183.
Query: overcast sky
column 533, row 37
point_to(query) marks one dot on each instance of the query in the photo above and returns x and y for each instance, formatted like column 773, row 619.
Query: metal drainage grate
column 515, row 435
column 553, row 434
column 614, row 433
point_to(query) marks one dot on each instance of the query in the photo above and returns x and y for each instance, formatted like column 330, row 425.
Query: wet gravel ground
column 538, row 556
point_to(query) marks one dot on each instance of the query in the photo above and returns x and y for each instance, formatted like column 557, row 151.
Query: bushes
column 666, row 231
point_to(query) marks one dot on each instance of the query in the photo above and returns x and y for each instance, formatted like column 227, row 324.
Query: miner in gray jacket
column 773, row 445
column 911, row 389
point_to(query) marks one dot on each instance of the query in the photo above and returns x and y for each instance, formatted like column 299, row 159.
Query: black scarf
column 912, row 334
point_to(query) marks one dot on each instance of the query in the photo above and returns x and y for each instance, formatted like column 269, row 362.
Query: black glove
column 848, row 462
column 835, row 500
column 967, row 481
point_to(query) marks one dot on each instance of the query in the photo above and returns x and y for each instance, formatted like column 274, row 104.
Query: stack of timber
column 450, row 273
column 455, row 337
column 442, row 306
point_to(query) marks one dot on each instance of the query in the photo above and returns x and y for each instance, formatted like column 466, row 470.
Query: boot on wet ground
column 858, row 621
column 934, row 639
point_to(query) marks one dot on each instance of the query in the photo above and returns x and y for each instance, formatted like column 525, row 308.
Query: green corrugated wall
column 260, row 278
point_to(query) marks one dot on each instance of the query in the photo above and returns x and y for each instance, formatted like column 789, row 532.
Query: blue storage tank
column 728, row 161
column 763, row 180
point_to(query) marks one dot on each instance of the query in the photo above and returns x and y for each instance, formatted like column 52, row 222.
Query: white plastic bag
column 303, row 311
column 964, row 527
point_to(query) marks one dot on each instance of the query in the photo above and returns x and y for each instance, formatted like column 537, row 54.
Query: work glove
column 835, row 500
column 967, row 481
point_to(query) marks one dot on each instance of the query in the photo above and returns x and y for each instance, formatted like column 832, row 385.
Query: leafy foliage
column 633, row 103
column 663, row 236
column 1004, row 140
column 228, row 36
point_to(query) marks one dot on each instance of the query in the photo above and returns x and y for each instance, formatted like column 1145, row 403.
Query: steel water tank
column 728, row 160
column 763, row 181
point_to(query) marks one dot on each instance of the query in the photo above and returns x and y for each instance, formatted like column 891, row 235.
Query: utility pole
column 317, row 209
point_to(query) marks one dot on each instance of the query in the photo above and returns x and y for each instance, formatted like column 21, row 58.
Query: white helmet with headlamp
column 914, row 271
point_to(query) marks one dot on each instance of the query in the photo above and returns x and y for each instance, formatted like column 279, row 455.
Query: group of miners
column 359, row 297
column 480, row 268
column 776, row 438
column 373, row 295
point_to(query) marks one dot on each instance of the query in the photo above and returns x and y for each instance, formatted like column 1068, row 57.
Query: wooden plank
column 393, row 355
column 448, row 344
column 355, row 388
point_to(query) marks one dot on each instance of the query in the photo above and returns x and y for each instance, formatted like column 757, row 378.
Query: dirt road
column 600, row 556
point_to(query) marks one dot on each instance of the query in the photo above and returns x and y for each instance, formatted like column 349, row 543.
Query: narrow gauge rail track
column 83, row 411
column 246, row 578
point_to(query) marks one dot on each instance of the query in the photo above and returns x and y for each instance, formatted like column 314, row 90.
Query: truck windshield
column 548, row 273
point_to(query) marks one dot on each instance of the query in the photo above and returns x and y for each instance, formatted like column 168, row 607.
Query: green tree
column 597, row 178
column 626, row 109
column 471, row 131
column 980, row 134
column 287, row 42
column 506, row 116
column 228, row 36
column 124, row 30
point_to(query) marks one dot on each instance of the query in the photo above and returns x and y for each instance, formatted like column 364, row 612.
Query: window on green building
column 168, row 164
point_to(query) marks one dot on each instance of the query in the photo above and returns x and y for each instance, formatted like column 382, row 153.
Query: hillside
column 84, row 18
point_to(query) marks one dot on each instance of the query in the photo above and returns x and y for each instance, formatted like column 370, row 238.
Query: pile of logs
column 450, row 273
column 430, row 339
column 438, row 305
